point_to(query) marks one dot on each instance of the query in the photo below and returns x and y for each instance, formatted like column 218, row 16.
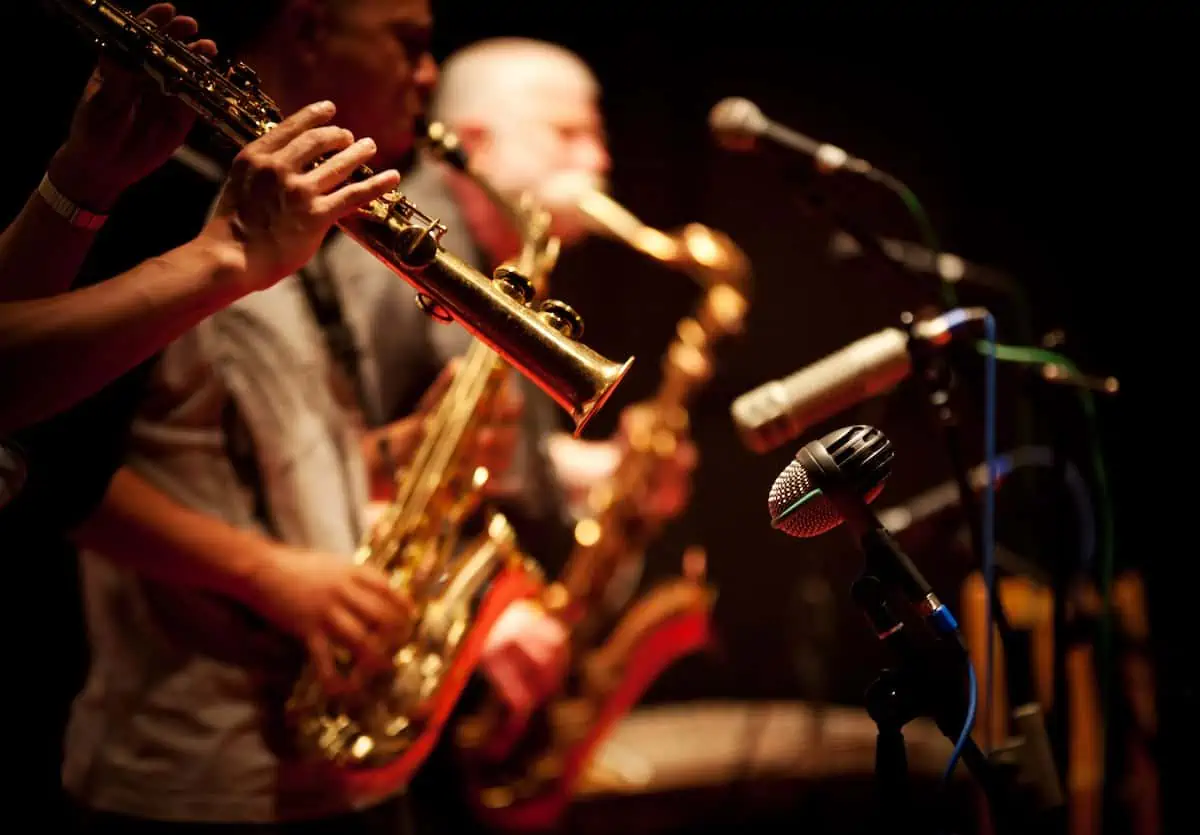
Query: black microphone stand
column 1029, row 753
column 925, row 678
column 1016, row 758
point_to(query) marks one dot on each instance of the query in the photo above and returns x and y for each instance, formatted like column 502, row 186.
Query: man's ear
column 475, row 139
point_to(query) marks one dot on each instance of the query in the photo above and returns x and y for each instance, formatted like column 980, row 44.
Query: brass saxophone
column 522, row 777
column 384, row 732
column 540, row 342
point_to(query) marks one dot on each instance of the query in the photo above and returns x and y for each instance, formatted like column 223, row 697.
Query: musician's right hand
column 328, row 603
column 276, row 208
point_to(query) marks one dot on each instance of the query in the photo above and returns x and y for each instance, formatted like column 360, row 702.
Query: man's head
column 369, row 57
column 525, row 111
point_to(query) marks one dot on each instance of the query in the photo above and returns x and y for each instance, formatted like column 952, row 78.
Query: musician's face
column 551, row 126
column 372, row 60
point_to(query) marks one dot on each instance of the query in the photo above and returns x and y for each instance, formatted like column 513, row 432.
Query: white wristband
column 74, row 214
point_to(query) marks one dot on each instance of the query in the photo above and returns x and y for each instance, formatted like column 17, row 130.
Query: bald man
column 526, row 112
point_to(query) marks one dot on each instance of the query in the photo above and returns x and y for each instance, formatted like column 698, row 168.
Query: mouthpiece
column 736, row 123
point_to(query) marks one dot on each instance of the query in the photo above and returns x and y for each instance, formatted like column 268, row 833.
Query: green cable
column 1042, row 356
column 949, row 297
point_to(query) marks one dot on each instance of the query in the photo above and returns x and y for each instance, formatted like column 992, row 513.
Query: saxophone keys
column 513, row 283
column 432, row 309
column 562, row 317
column 362, row 748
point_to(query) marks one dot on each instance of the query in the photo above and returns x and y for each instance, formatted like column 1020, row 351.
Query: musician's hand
column 525, row 657
column 328, row 602
column 665, row 493
column 124, row 126
column 275, row 208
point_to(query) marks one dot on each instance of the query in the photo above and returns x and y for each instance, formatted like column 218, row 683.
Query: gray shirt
column 181, row 714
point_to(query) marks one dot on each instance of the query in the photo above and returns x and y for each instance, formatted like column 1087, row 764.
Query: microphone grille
column 862, row 456
column 818, row 514
column 736, row 122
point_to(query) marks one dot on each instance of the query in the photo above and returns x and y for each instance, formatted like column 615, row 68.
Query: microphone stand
column 1029, row 753
column 924, row 679
column 1030, row 757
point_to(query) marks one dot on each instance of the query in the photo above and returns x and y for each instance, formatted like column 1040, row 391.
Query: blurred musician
column 243, row 481
column 525, row 112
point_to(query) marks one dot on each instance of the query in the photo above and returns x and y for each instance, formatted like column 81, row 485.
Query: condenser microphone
column 738, row 124
column 780, row 410
column 832, row 481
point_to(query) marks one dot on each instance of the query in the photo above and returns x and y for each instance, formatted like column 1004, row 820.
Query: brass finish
column 416, row 538
column 531, row 338
column 614, row 532
column 710, row 257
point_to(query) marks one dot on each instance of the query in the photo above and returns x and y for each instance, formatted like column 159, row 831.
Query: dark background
column 1048, row 143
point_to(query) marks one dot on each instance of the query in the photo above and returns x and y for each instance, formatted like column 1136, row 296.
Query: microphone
column 832, row 481
column 780, row 410
column 738, row 124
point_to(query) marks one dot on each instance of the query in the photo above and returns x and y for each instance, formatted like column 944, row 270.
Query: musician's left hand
column 124, row 126
column 666, row 491
column 525, row 657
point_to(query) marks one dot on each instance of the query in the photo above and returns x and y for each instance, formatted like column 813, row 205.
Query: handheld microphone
column 780, row 410
column 738, row 124
column 832, row 481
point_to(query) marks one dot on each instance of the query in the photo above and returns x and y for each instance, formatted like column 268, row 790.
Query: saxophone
column 522, row 775
column 378, row 737
column 540, row 342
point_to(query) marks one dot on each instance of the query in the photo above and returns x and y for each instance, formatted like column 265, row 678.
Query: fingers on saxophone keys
column 355, row 195
column 338, row 167
column 180, row 28
column 159, row 14
column 308, row 117
column 205, row 46
column 313, row 143
column 363, row 654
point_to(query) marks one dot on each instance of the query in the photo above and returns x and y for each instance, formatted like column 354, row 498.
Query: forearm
column 140, row 528
column 57, row 351
column 40, row 252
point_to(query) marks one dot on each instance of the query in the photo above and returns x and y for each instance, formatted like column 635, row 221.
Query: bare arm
column 57, row 351
column 320, row 598
column 122, row 129
column 140, row 528
column 40, row 252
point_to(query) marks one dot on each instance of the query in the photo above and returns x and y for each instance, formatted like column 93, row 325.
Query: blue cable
column 989, row 496
column 972, row 703
column 989, row 539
